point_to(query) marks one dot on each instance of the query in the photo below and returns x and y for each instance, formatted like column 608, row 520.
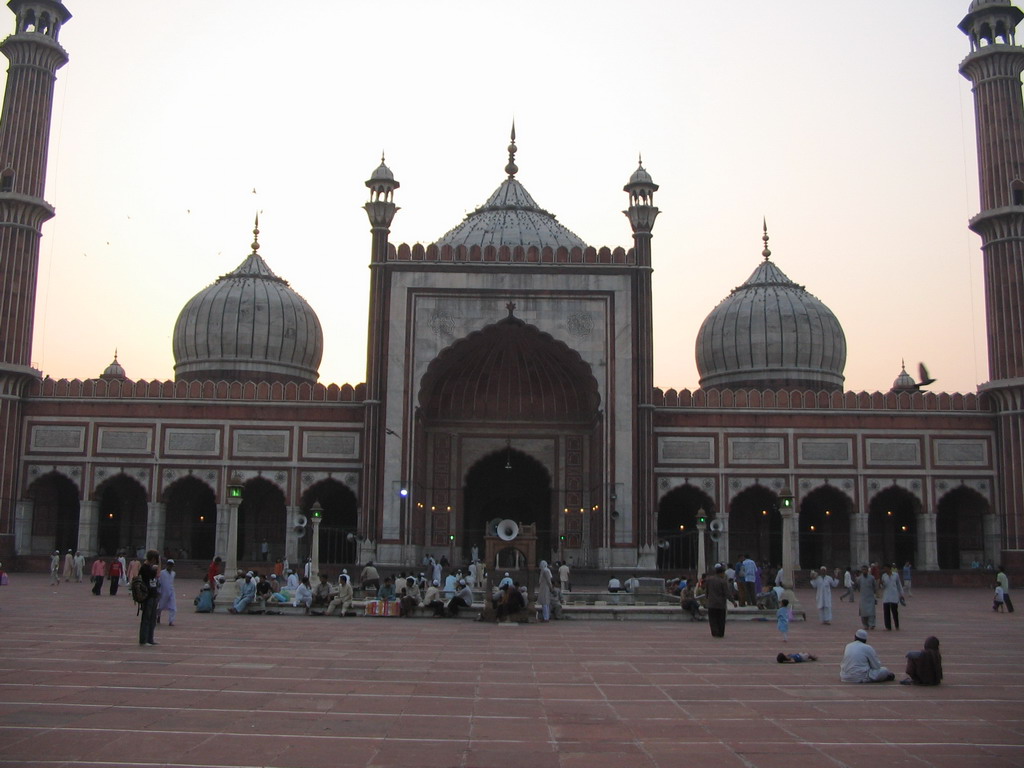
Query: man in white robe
column 861, row 664
column 823, row 584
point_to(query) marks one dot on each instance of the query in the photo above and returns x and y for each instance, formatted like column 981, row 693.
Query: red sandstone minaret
column 994, row 68
column 35, row 56
column 641, row 214
column 381, row 210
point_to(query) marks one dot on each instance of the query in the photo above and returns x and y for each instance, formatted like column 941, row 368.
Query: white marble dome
column 248, row 326
column 511, row 217
column 770, row 333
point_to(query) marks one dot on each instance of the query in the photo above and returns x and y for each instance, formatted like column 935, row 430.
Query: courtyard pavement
column 76, row 689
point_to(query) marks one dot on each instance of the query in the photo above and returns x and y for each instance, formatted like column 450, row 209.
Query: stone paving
column 77, row 690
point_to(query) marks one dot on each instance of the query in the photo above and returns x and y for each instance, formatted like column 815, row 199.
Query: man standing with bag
column 149, row 574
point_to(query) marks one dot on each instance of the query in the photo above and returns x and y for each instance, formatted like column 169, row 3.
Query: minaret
column 641, row 214
column 994, row 67
column 35, row 56
column 381, row 210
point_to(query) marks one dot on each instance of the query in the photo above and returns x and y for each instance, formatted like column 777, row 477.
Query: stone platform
column 76, row 689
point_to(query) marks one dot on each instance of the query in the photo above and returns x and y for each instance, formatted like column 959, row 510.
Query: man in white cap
column 861, row 664
column 823, row 584
column 506, row 581
column 246, row 594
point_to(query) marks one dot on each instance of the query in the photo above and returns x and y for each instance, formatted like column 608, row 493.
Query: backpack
column 140, row 590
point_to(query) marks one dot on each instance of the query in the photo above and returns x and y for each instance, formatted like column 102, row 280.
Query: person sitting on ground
column 369, row 577
column 510, row 603
column 292, row 582
column 387, row 592
column 342, row 597
column 614, row 585
column 246, row 594
column 795, row 658
column 303, row 594
column 321, row 593
column 632, row 584
column 506, row 581
column 432, row 599
column 688, row 602
column 410, row 597
column 204, row 601
column 924, row 667
column 462, row 599
column 861, row 664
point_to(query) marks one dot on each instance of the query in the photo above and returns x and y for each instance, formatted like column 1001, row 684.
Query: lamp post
column 702, row 526
column 788, row 512
column 316, row 514
column 235, row 491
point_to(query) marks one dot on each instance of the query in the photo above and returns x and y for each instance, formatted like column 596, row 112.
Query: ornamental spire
column 511, row 169
column 256, row 234
column 767, row 251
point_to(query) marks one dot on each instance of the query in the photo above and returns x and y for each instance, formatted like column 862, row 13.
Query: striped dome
column 770, row 333
column 248, row 326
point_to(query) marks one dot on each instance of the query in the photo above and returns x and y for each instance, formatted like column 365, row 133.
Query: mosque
column 509, row 378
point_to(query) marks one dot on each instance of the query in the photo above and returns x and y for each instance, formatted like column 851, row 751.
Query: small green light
column 235, row 491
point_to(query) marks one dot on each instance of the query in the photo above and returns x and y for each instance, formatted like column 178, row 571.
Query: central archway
column 512, row 382
column 507, row 485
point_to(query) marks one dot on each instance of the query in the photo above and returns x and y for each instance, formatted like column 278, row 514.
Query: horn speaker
column 507, row 530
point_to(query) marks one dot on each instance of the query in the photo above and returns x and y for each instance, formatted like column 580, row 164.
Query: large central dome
column 248, row 326
column 511, row 217
column 770, row 333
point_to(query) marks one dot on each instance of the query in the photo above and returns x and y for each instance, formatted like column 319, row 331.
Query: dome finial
column 256, row 234
column 511, row 169
column 767, row 251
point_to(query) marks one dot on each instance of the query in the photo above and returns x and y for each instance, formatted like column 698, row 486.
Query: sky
column 845, row 125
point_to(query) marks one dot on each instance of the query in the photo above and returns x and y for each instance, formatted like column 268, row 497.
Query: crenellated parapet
column 821, row 400
column 124, row 389
column 518, row 255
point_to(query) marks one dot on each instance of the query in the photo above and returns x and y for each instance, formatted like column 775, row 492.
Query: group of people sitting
column 861, row 663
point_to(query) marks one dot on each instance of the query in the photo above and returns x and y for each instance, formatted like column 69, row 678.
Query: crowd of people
column 445, row 594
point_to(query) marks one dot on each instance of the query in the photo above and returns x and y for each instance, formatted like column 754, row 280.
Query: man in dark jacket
column 149, row 573
column 717, row 591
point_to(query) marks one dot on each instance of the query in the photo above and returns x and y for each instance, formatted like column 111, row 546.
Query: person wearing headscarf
column 544, row 591
column 924, row 667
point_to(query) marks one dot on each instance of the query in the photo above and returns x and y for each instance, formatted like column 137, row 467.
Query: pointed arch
column 959, row 532
column 55, row 513
column 678, row 538
column 339, row 524
column 190, row 522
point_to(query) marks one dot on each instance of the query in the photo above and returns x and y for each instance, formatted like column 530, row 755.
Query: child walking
column 782, row 620
column 998, row 600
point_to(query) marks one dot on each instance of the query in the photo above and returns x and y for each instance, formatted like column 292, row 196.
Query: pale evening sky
column 847, row 125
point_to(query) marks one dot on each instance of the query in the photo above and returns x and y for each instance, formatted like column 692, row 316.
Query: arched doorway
column 892, row 526
column 958, row 527
column 678, row 539
column 339, row 524
column 511, row 485
column 190, row 527
column 123, row 512
column 508, row 381
column 755, row 526
column 55, row 513
column 261, row 518
column 825, row 529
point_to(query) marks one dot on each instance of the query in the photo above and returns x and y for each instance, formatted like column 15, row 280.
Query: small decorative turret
column 641, row 189
column 904, row 382
column 114, row 371
column 381, row 208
